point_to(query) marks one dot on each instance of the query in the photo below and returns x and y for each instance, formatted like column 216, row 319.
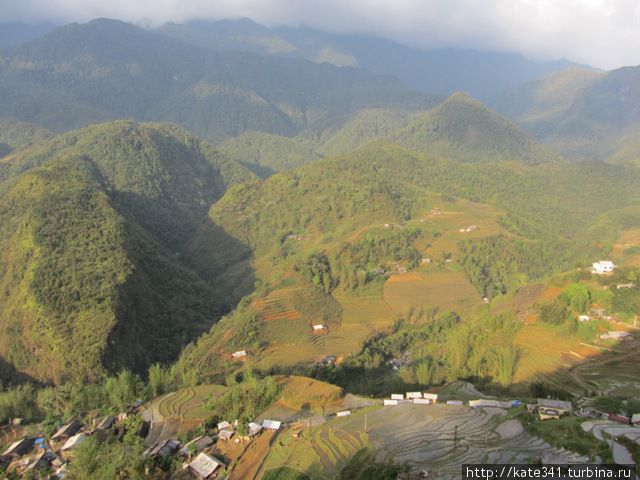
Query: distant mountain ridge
column 106, row 69
column 484, row 75
column 586, row 115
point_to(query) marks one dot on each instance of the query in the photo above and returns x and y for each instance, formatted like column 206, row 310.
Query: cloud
column 599, row 32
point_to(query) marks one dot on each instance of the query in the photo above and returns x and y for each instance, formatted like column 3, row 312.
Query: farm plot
column 292, row 342
column 445, row 291
column 614, row 374
column 439, row 438
column 279, row 305
column 544, row 351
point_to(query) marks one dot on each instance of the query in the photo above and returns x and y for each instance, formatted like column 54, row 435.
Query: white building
column 239, row 354
column 271, row 424
column 584, row 318
column 602, row 267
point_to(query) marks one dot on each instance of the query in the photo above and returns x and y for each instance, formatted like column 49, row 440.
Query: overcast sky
column 603, row 33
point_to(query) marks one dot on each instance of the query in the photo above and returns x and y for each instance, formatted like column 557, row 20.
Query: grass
column 567, row 433
column 285, row 473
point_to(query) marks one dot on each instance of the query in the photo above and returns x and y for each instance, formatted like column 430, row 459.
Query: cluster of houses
column 202, row 462
column 33, row 454
column 411, row 397
column 545, row 408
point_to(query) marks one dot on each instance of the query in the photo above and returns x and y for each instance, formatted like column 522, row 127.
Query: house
column 226, row 435
column 584, row 318
column 329, row 360
column 397, row 396
column 388, row 402
column 619, row 418
column 433, row 397
column 254, row 429
column 271, row 424
column 635, row 419
column 43, row 460
column 224, row 426
column 425, row 261
column 319, row 328
column 344, row 413
column 19, row 447
column 602, row 267
column 421, row 401
column 412, row 395
column 204, row 466
column 548, row 408
column 196, row 445
column 239, row 355
column 164, row 449
column 73, row 442
column 67, row 430
column 616, row 335
column 106, row 423
column 455, row 402
column 625, row 285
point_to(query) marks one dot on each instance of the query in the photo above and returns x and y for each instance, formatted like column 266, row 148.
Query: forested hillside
column 92, row 272
column 460, row 129
column 584, row 114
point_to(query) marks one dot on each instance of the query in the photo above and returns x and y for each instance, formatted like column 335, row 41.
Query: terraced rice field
column 439, row 438
column 613, row 374
column 445, row 290
column 278, row 305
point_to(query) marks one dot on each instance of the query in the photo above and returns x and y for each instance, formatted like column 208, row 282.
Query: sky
column 602, row 33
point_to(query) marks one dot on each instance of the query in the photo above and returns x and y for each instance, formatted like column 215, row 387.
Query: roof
column 226, row 434
column 224, row 426
column 239, row 353
column 105, row 423
column 254, row 428
column 165, row 448
column 271, row 424
column 16, row 447
column 318, row 326
column 66, row 430
column 205, row 465
column 199, row 443
column 74, row 441
column 557, row 404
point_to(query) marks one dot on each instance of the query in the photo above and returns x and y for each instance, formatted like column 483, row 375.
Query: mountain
column 18, row 135
column 584, row 114
column 484, row 75
column 68, row 79
column 329, row 238
column 460, row 129
column 92, row 237
column 464, row 129
column 15, row 33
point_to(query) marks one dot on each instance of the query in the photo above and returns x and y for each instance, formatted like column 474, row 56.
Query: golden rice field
column 443, row 290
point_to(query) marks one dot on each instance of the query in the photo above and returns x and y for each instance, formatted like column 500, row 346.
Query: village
column 219, row 451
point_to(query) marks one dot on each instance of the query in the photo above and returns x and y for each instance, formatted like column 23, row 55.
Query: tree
column 578, row 296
